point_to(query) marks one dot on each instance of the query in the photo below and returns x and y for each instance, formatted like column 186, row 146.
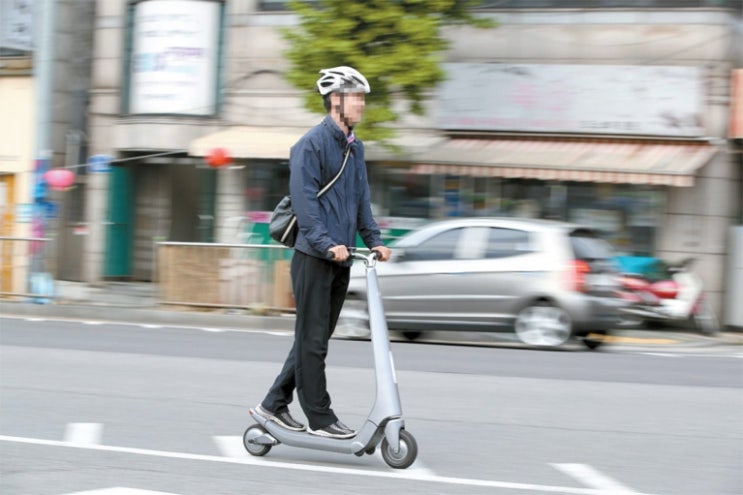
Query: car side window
column 507, row 242
column 441, row 246
column 589, row 246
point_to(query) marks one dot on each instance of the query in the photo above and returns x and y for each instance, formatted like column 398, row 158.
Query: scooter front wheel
column 256, row 449
column 404, row 457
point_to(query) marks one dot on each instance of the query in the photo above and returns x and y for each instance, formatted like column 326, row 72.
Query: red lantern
column 59, row 179
column 218, row 157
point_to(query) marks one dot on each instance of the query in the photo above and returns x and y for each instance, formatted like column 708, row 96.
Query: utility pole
column 41, row 281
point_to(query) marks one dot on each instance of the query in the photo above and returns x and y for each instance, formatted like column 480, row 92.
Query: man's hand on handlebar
column 339, row 253
column 383, row 252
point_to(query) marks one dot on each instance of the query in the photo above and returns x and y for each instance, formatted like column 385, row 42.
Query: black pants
column 319, row 291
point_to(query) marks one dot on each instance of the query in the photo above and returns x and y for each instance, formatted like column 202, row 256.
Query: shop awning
column 636, row 162
column 249, row 142
column 275, row 142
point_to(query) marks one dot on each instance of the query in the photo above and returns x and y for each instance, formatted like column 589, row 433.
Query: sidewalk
column 137, row 302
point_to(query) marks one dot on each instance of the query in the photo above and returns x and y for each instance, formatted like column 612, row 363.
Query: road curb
column 148, row 315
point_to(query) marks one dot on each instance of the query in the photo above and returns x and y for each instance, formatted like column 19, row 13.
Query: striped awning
column 636, row 162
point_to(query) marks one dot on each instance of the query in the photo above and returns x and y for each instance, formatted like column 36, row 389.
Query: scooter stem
column 387, row 401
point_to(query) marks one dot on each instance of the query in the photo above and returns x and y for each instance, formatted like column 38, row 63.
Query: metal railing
column 241, row 276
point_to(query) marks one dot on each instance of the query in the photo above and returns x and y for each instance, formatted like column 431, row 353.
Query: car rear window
column 587, row 245
column 502, row 243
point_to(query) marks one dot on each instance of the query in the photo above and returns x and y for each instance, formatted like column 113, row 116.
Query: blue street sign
column 99, row 163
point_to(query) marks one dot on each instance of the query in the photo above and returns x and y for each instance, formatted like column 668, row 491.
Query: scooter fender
column 392, row 433
column 266, row 438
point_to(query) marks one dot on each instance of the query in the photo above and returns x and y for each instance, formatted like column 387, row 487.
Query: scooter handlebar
column 355, row 254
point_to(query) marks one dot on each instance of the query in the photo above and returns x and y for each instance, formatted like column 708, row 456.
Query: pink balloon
column 59, row 179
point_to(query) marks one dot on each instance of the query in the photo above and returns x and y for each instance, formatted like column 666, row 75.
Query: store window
column 627, row 215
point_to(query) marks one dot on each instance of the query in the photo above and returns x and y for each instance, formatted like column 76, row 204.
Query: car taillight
column 577, row 275
column 665, row 289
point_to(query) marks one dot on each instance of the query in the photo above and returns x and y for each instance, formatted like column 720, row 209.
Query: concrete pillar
column 96, row 212
column 230, row 207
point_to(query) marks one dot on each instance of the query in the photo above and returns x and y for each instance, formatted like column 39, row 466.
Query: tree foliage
column 397, row 44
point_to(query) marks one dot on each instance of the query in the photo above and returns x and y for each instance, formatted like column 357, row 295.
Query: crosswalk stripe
column 119, row 490
column 231, row 446
column 83, row 433
column 589, row 476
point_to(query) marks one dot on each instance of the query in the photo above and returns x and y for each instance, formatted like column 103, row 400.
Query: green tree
column 397, row 44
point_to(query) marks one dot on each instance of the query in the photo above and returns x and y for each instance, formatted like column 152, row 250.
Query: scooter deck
column 368, row 436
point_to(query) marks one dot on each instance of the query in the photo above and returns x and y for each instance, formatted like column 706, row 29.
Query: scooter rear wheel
column 256, row 449
column 404, row 457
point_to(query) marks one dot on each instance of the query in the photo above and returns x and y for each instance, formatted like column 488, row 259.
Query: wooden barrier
column 246, row 276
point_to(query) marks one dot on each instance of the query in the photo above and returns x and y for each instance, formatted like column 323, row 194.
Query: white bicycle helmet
column 342, row 79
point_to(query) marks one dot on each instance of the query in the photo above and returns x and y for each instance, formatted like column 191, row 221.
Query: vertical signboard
column 175, row 57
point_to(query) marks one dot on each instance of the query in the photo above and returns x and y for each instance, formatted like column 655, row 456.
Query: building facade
column 45, row 55
column 659, row 180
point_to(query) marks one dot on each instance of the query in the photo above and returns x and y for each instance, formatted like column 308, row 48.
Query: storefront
column 618, row 186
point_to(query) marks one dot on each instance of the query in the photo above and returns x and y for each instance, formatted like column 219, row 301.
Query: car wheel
column 543, row 325
column 704, row 320
column 353, row 322
column 411, row 334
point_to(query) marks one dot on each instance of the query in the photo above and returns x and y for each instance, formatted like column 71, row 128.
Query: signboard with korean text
column 605, row 99
column 175, row 57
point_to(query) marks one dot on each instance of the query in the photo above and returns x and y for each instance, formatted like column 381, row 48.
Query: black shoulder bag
column 283, row 224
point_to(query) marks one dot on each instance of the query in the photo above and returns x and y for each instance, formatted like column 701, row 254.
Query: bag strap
column 330, row 184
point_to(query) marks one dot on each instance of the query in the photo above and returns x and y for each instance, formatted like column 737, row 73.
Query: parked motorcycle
column 666, row 293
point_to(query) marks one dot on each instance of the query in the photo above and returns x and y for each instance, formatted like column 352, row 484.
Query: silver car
column 549, row 282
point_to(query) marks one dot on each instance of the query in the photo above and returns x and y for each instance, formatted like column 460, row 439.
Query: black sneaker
column 283, row 419
column 336, row 430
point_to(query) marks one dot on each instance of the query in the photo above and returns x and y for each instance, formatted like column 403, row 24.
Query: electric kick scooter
column 384, row 423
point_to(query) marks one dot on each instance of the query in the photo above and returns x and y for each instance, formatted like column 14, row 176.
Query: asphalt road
column 114, row 409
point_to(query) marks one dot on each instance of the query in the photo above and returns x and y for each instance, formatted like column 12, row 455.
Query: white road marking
column 418, row 468
column 231, row 446
column 83, row 433
column 595, row 479
column 120, row 491
column 280, row 333
column 253, row 461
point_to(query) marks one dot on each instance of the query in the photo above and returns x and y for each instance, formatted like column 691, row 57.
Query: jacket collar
column 335, row 131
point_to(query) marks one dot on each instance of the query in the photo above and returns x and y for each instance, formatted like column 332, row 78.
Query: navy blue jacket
column 345, row 208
